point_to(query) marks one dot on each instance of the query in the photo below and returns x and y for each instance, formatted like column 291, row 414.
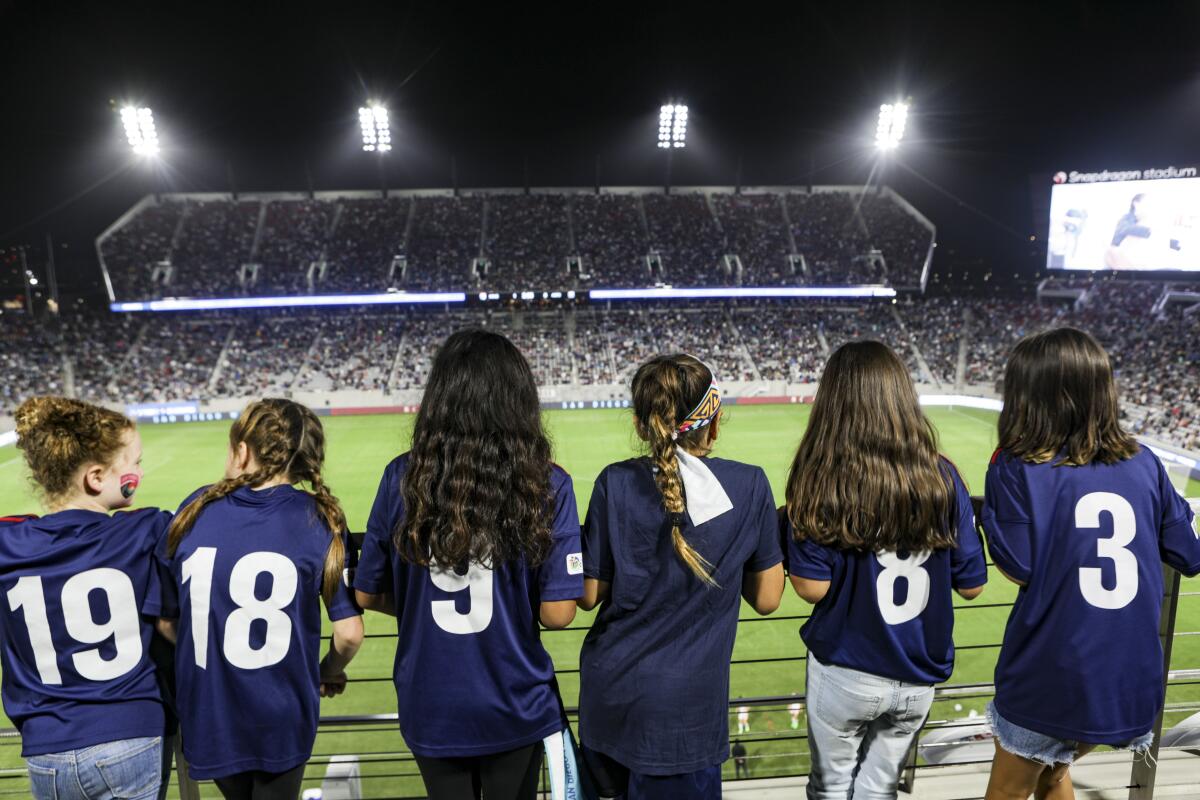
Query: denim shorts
column 1046, row 749
column 128, row 769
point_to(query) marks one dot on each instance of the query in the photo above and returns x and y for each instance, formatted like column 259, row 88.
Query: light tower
column 893, row 118
column 672, row 133
column 376, row 136
column 140, row 132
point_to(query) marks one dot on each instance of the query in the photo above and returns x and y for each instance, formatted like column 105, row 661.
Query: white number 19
column 124, row 625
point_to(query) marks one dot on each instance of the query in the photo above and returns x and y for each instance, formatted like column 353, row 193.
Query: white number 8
column 916, row 596
column 1124, row 525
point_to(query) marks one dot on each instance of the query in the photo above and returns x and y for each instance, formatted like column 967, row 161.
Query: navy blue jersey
column 248, row 577
column 79, row 588
column 891, row 614
column 654, row 682
column 472, row 677
column 1081, row 657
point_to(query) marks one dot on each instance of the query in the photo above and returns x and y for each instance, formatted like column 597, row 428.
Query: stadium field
column 179, row 458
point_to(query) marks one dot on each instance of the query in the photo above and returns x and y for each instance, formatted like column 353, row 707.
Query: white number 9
column 478, row 581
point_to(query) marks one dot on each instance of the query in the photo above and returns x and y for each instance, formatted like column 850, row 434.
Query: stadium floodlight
column 672, row 125
column 139, row 130
column 376, row 129
column 892, row 119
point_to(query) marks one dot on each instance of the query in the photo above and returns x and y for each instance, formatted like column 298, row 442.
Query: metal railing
column 398, row 765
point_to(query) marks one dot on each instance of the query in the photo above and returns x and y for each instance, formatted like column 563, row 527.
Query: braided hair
column 664, row 390
column 288, row 441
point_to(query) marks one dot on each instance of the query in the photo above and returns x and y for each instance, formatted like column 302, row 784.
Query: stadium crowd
column 527, row 241
column 524, row 241
column 129, row 358
column 215, row 239
column 520, row 240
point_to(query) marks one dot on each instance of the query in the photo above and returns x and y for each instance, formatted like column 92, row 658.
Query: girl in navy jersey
column 882, row 535
column 81, row 592
column 474, row 539
column 251, row 558
column 1079, row 516
column 672, row 542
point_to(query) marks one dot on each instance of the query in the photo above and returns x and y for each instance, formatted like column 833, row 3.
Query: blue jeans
column 130, row 769
column 860, row 728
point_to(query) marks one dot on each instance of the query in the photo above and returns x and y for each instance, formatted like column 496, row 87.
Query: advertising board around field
column 178, row 411
column 1142, row 219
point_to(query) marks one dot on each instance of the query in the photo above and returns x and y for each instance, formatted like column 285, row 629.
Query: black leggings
column 256, row 785
column 503, row 776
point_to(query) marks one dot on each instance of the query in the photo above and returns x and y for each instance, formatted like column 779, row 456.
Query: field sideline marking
column 955, row 410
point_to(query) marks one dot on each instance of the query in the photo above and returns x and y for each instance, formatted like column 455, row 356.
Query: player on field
column 883, row 534
column 1080, row 516
column 81, row 592
column 251, row 559
column 474, row 539
column 672, row 543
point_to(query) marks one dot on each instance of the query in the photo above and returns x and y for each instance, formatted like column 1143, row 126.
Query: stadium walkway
column 1103, row 776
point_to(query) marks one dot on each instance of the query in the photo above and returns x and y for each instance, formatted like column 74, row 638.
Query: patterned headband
column 705, row 411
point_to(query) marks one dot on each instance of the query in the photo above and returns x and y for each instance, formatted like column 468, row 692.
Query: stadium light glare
column 139, row 130
column 376, row 128
column 672, row 125
column 302, row 301
column 893, row 117
column 698, row 293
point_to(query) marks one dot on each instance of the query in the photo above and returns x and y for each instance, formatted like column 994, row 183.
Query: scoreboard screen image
column 1125, row 221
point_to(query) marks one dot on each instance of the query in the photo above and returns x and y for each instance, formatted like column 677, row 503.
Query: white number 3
column 1124, row 525
column 916, row 595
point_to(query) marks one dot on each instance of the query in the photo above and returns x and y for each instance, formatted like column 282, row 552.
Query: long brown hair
column 665, row 390
column 286, row 439
column 58, row 435
column 477, row 486
column 1060, row 397
column 867, row 474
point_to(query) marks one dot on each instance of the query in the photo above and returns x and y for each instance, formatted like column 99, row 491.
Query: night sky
column 780, row 93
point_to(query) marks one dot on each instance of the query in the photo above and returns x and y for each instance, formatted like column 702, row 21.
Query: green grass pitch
column 179, row 458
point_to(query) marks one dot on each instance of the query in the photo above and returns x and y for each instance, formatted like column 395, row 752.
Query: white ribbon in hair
column 706, row 497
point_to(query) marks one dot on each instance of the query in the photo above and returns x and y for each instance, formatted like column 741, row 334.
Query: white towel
column 706, row 498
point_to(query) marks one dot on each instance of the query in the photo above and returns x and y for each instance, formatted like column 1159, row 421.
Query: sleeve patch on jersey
column 575, row 563
column 348, row 577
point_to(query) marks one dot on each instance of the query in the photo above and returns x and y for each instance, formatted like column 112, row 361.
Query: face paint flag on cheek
column 129, row 484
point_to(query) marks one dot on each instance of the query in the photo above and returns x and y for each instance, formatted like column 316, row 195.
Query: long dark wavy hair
column 477, row 487
column 1060, row 397
column 867, row 474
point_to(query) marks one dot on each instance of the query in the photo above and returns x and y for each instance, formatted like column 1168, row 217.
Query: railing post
column 188, row 788
column 908, row 777
column 1141, row 779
